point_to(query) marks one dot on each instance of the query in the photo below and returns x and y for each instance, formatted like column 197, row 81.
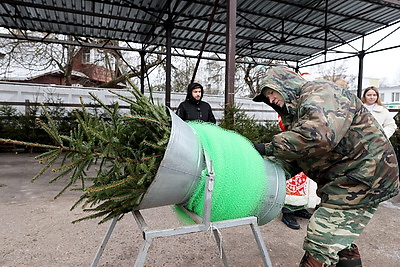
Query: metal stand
column 202, row 224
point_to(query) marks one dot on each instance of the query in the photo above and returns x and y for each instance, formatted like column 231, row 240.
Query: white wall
column 19, row 92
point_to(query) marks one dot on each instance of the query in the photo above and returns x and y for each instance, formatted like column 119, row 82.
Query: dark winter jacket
column 192, row 109
column 333, row 138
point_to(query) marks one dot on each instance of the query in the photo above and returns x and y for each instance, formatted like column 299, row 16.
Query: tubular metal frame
column 202, row 225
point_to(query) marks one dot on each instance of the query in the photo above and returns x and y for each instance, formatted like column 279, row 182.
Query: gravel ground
column 36, row 230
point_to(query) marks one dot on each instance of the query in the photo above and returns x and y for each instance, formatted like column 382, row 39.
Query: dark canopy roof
column 288, row 30
column 291, row 30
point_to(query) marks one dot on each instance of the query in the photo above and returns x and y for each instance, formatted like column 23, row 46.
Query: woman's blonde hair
column 378, row 99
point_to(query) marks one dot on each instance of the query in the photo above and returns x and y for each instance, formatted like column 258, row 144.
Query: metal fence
column 24, row 97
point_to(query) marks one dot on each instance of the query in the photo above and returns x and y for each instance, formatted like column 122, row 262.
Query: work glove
column 260, row 148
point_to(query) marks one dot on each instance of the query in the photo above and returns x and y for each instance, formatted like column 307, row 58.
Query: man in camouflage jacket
column 335, row 141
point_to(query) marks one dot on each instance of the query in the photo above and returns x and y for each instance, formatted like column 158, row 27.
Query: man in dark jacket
column 335, row 141
column 193, row 108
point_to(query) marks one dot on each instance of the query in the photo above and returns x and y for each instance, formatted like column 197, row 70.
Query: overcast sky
column 384, row 65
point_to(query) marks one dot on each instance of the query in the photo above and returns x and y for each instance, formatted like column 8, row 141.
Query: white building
column 390, row 96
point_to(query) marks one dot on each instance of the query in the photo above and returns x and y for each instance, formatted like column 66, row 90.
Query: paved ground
column 36, row 230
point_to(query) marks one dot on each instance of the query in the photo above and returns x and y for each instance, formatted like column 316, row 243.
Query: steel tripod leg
column 220, row 247
column 141, row 258
column 261, row 245
column 104, row 242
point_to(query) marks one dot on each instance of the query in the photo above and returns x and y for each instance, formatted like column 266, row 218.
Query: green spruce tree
column 113, row 157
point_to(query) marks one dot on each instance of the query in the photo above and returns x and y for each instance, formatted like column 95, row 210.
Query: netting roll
column 245, row 183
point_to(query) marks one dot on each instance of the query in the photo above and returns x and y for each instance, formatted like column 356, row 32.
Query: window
column 86, row 57
column 395, row 97
column 382, row 97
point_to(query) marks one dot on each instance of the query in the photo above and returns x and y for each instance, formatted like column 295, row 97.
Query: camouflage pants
column 330, row 231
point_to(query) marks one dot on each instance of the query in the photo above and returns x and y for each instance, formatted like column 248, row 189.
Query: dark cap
column 261, row 97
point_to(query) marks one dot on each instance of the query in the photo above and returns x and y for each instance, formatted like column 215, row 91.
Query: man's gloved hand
column 260, row 148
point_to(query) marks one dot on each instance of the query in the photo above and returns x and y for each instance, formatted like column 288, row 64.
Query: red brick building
column 85, row 72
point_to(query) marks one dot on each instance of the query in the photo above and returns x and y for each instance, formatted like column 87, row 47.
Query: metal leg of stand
column 141, row 258
column 220, row 247
column 104, row 242
column 261, row 245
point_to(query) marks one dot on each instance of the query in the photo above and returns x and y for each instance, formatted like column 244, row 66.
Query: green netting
column 240, row 177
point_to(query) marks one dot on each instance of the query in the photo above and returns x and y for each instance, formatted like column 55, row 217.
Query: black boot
column 302, row 213
column 289, row 219
column 349, row 257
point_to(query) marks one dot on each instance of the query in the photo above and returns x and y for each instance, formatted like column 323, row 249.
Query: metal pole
column 230, row 53
column 360, row 55
column 203, row 44
column 168, row 27
column 142, row 70
column 104, row 242
column 261, row 245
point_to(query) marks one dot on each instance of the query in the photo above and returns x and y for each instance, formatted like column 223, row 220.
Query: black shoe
column 302, row 213
column 290, row 221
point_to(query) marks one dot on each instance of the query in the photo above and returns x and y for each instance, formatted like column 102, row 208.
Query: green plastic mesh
column 240, row 177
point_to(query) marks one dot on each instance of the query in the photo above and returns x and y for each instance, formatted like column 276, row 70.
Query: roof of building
column 36, row 75
column 280, row 29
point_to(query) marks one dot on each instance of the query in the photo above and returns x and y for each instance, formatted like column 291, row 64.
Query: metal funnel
column 179, row 170
column 275, row 197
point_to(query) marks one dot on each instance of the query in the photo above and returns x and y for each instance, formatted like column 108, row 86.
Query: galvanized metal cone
column 180, row 169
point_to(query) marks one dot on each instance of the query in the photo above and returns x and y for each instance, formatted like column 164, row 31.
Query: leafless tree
column 337, row 72
column 33, row 57
column 251, row 74
column 182, row 72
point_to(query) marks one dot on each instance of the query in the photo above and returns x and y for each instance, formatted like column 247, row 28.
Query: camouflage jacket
column 334, row 139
